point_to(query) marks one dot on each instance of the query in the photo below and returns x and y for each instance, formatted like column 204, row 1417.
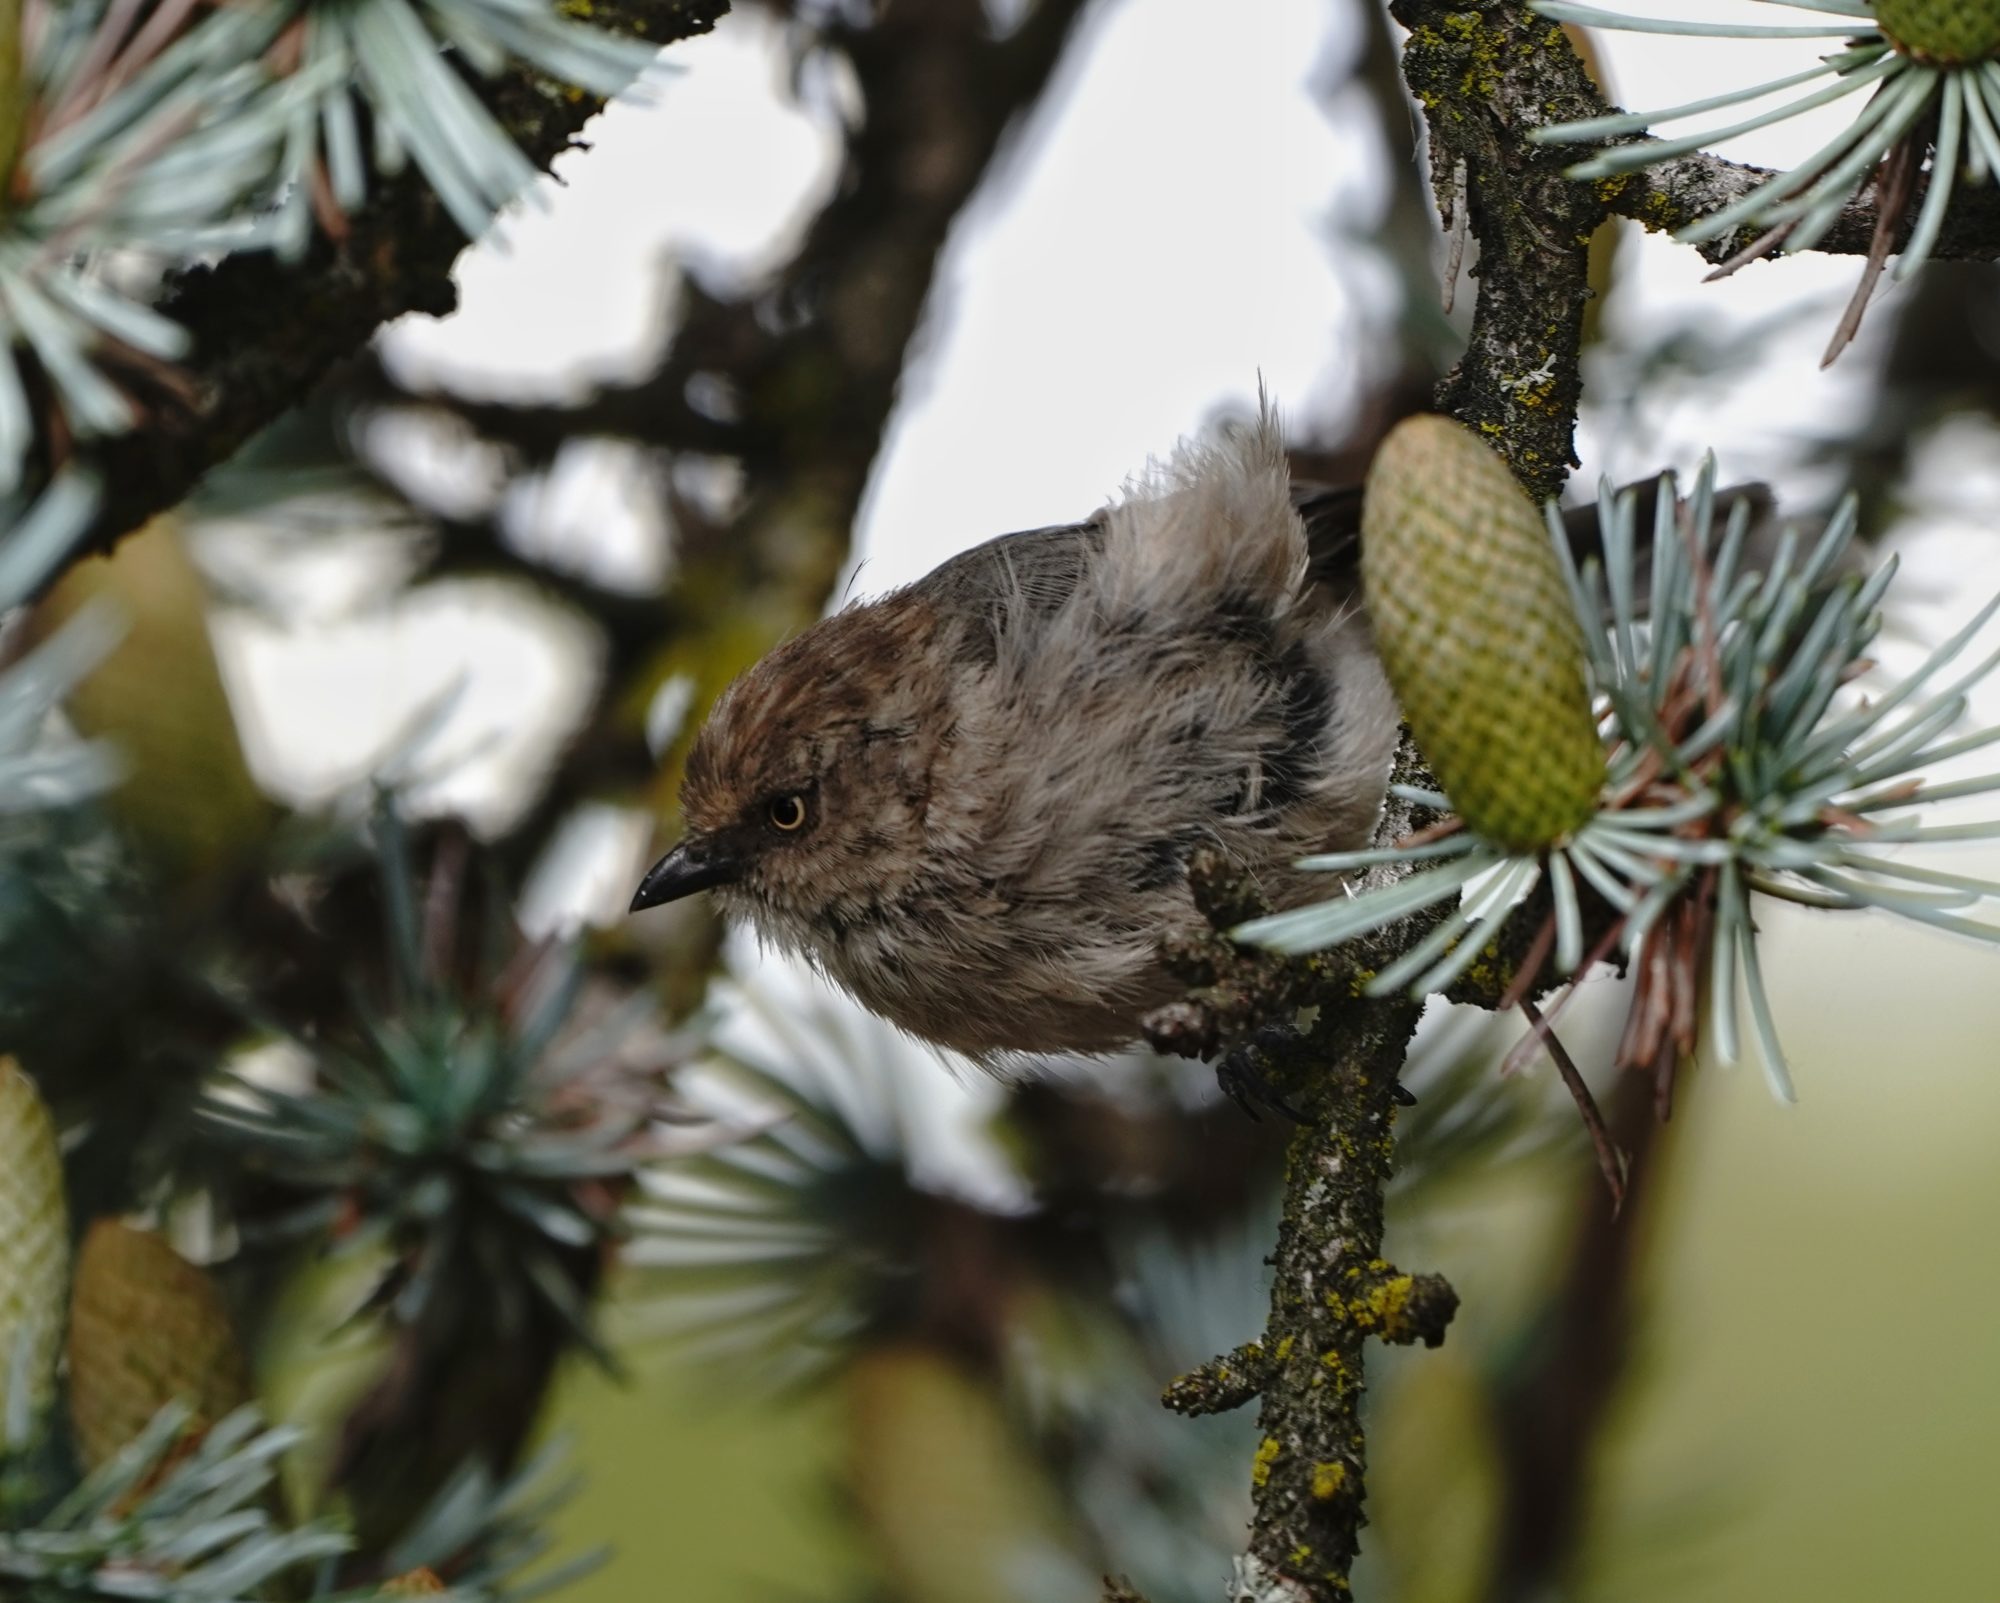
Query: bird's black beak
column 692, row 866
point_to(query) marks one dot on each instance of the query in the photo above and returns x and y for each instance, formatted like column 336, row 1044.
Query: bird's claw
column 1245, row 1075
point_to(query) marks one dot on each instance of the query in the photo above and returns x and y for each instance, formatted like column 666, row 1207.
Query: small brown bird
column 972, row 801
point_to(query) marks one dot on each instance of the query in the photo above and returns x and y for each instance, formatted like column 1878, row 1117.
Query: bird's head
column 805, row 791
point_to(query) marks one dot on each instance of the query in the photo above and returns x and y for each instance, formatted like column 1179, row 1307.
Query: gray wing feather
column 1023, row 577
column 1041, row 565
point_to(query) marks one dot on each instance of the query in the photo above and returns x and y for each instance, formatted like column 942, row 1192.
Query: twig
column 1232, row 1380
column 1610, row 1161
column 1551, row 1406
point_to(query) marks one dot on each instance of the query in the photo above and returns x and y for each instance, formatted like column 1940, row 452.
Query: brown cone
column 146, row 1327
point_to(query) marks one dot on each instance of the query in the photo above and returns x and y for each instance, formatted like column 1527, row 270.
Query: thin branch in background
column 1611, row 1163
column 1458, row 230
column 1551, row 1405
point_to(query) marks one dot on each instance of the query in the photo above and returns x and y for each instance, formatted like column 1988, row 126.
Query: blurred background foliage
column 372, row 1108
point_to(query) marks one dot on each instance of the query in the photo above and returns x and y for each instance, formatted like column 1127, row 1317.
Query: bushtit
column 972, row 801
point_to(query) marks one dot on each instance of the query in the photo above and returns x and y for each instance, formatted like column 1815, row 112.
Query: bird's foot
column 1245, row 1075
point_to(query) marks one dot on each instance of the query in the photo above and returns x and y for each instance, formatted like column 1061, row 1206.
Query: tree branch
column 1332, row 1289
column 1676, row 193
column 265, row 331
column 1490, row 72
column 1550, row 1406
column 1485, row 77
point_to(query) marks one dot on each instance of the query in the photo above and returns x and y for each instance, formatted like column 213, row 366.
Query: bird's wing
column 1332, row 516
column 1023, row 576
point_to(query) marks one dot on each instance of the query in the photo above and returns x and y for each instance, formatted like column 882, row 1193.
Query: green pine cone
column 1478, row 635
column 1946, row 33
column 34, row 1240
column 145, row 1327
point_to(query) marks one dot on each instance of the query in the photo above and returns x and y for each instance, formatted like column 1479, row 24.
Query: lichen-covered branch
column 1485, row 75
column 1517, row 384
column 1333, row 1290
column 1237, row 1377
column 1675, row 193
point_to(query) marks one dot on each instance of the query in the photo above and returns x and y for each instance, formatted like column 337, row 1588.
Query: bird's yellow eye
column 787, row 812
